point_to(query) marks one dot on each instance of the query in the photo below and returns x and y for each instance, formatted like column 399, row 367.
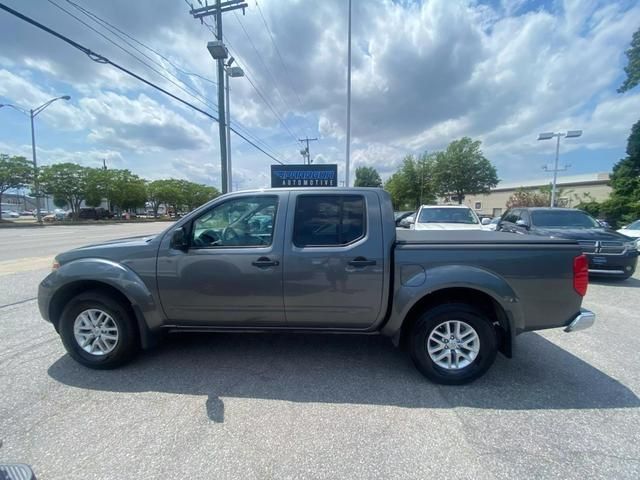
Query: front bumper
column 613, row 265
column 45, row 293
column 585, row 319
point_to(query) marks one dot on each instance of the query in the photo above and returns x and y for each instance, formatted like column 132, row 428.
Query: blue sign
column 304, row 176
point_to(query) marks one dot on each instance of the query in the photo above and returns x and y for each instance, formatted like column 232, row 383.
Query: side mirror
column 523, row 224
column 179, row 239
column 485, row 221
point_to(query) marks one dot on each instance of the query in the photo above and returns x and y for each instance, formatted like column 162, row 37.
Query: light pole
column 557, row 135
column 230, row 72
column 219, row 53
column 348, row 159
column 33, row 113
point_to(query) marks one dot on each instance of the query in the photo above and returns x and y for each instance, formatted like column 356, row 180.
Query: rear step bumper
column 584, row 319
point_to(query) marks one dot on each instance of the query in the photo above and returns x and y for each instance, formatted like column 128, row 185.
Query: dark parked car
column 320, row 260
column 94, row 213
column 610, row 253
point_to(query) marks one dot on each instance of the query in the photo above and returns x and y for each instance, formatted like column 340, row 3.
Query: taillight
column 580, row 275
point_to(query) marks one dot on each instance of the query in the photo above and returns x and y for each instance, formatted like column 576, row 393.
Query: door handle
column 264, row 262
column 361, row 262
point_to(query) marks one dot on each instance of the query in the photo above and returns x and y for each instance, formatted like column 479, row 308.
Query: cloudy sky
column 424, row 73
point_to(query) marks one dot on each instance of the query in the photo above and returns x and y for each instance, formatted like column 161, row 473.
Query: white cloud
column 140, row 124
column 424, row 73
column 23, row 92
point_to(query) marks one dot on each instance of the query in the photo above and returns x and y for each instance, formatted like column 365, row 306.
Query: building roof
column 585, row 179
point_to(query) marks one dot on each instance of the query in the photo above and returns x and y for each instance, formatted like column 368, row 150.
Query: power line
column 275, row 46
column 248, row 75
column 197, row 95
column 96, row 57
column 211, row 29
column 110, row 26
column 275, row 82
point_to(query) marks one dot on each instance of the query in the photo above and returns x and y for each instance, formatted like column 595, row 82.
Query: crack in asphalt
column 18, row 303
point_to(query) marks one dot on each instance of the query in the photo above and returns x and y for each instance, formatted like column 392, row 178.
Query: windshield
column 563, row 219
column 634, row 226
column 447, row 215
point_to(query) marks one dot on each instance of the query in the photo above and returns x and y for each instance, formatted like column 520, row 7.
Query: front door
column 333, row 273
column 231, row 274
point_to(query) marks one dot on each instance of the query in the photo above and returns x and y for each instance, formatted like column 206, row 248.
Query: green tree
column 166, row 192
column 98, row 182
column 462, row 169
column 633, row 64
column 15, row 172
column 66, row 181
column 367, row 177
column 127, row 191
column 59, row 202
column 411, row 185
column 196, row 194
column 624, row 204
column 158, row 193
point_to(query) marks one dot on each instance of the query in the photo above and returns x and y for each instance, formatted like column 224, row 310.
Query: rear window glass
column 328, row 220
column 562, row 219
column 447, row 215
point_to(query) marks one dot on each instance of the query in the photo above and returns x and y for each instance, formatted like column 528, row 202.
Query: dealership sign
column 304, row 176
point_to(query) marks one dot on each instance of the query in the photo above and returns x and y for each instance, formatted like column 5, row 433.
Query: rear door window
column 328, row 220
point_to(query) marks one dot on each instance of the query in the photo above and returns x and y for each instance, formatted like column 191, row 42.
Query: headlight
column 632, row 245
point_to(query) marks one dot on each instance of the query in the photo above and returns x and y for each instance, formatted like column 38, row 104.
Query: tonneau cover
column 410, row 237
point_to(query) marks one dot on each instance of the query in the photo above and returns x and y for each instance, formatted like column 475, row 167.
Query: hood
column 447, row 226
column 133, row 241
column 112, row 249
column 583, row 234
column 630, row 233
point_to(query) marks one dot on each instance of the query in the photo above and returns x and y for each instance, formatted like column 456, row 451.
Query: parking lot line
column 27, row 264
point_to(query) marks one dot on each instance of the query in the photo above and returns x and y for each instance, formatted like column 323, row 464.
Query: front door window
column 243, row 222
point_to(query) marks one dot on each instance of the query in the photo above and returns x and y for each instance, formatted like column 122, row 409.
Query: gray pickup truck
column 317, row 260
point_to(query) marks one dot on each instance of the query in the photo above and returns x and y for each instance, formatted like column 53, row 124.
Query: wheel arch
column 136, row 307
column 474, row 297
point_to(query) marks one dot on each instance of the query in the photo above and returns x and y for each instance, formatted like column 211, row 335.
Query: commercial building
column 571, row 190
column 14, row 202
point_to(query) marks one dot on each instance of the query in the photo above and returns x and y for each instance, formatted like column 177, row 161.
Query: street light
column 557, row 135
column 230, row 72
column 219, row 52
column 33, row 113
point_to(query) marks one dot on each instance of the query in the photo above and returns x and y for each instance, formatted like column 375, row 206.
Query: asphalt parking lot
column 310, row 406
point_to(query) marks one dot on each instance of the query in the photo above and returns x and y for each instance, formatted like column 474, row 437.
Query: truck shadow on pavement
column 348, row 369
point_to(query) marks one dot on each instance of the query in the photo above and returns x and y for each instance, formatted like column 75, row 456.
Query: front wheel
column 453, row 344
column 98, row 331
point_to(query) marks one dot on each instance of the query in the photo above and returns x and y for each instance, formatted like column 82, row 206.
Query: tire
column 108, row 353
column 480, row 355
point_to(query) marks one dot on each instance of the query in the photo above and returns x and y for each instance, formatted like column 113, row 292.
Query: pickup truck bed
column 322, row 260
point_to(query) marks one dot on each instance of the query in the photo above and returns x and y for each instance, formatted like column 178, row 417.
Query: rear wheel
column 453, row 344
column 98, row 331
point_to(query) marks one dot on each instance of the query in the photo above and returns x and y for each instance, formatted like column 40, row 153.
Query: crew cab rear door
column 334, row 260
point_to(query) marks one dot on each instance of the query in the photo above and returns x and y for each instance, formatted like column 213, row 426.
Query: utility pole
column 219, row 53
column 305, row 151
column 348, row 101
